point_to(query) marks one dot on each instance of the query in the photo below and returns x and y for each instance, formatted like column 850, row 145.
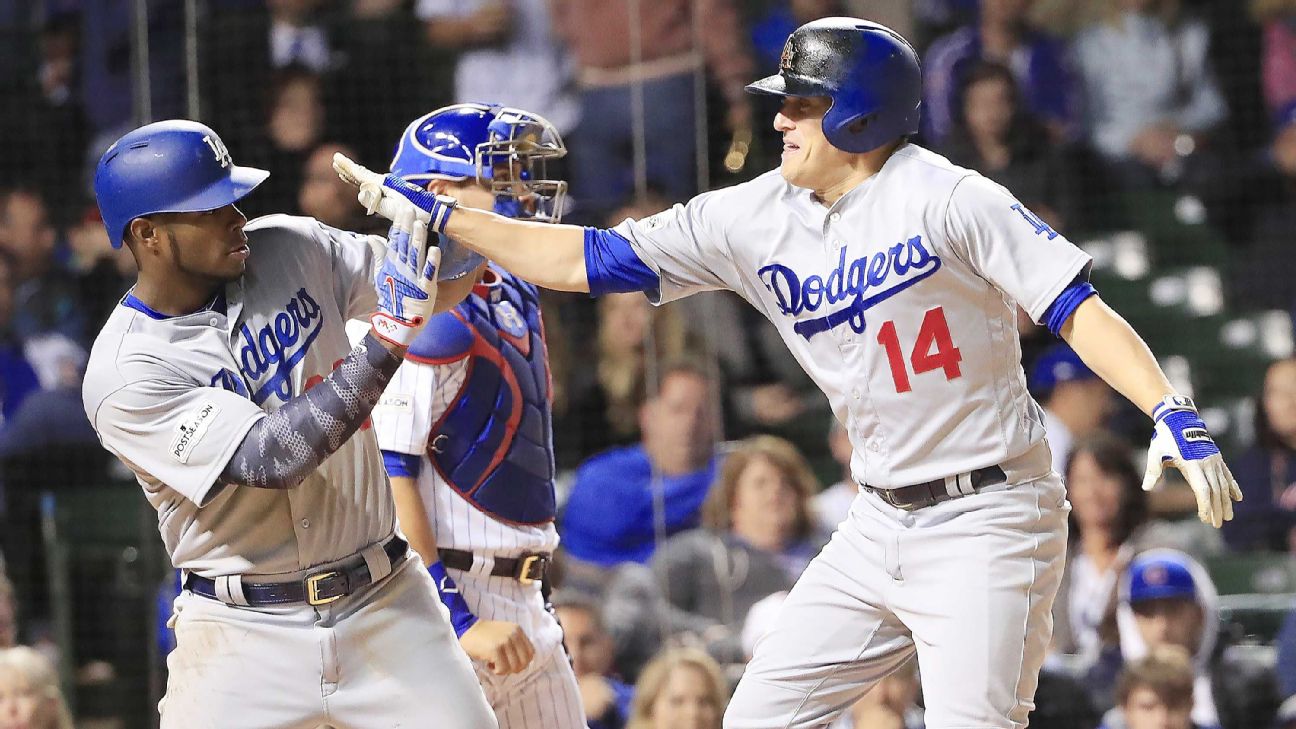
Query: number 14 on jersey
column 932, row 350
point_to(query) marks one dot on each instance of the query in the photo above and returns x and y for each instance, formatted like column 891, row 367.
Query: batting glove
column 387, row 195
column 1180, row 439
column 406, row 280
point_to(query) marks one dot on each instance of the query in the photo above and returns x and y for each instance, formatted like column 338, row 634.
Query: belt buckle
column 313, row 589
column 524, row 572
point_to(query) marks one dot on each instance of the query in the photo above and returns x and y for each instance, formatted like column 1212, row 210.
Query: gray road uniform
column 173, row 398
column 899, row 301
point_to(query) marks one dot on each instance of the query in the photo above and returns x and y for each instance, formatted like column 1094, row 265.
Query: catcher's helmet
column 502, row 148
column 869, row 71
column 174, row 166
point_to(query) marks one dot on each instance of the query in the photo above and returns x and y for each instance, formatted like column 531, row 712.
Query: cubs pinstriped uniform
column 452, row 379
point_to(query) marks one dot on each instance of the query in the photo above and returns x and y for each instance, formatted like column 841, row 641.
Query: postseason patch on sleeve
column 191, row 429
column 396, row 402
column 657, row 220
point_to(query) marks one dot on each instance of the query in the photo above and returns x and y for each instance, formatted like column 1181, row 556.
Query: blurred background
column 1159, row 135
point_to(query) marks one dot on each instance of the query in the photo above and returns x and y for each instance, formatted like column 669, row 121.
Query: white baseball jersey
column 416, row 398
column 174, row 397
column 898, row 301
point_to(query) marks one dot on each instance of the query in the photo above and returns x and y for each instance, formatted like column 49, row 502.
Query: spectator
column 103, row 274
column 45, row 140
column 294, row 125
column 1075, row 400
column 606, row 698
column 833, row 504
column 1267, row 224
column 891, row 704
column 8, row 612
column 17, row 377
column 45, row 300
column 1108, row 510
column 244, row 49
column 682, row 688
column 770, row 31
column 507, row 52
column 758, row 535
column 994, row 135
column 605, row 399
column 325, row 197
column 1155, row 692
column 1166, row 598
column 1278, row 54
column 1147, row 123
column 29, row 692
column 655, row 52
column 611, row 515
column 1002, row 35
column 1266, row 472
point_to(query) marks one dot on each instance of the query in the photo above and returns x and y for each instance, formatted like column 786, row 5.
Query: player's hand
column 389, row 195
column 406, row 281
column 1180, row 439
column 501, row 645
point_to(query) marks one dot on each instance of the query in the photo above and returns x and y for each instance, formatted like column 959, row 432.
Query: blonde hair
column 783, row 456
column 621, row 373
column 40, row 675
column 1166, row 671
column 657, row 673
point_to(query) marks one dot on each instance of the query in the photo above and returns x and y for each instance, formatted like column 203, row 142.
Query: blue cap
column 1057, row 365
column 1160, row 576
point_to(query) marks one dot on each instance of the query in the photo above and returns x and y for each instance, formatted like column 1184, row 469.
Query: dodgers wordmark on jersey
column 899, row 300
column 174, row 397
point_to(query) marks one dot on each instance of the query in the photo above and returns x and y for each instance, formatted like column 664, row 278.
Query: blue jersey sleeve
column 1066, row 303
column 612, row 266
column 401, row 464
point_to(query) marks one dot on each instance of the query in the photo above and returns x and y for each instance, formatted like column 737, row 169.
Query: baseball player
column 893, row 277
column 464, row 425
column 225, row 381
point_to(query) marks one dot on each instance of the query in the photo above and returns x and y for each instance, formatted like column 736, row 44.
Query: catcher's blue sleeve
column 612, row 266
column 401, row 464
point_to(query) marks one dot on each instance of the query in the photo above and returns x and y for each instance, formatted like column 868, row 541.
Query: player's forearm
column 412, row 515
column 1113, row 350
column 551, row 256
column 283, row 448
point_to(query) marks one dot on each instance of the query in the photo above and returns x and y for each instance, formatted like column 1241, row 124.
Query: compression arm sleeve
column 285, row 446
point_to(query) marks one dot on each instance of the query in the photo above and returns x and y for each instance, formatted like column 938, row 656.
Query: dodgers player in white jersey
column 893, row 277
column 465, row 426
column 225, row 381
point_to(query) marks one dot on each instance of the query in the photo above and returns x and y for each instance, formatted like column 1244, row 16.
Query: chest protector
column 494, row 443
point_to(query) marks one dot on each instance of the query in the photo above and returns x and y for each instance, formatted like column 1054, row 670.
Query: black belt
column 526, row 569
column 317, row 588
column 933, row 492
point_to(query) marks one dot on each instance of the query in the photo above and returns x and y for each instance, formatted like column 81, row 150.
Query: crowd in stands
column 701, row 470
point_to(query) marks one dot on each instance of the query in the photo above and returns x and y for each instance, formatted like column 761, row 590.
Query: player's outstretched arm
column 281, row 449
column 1112, row 349
column 552, row 256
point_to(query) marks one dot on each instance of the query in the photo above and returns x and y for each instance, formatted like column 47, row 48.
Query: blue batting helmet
column 174, row 166
column 501, row 148
column 869, row 71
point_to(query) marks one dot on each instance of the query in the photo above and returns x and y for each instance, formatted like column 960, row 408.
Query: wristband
column 461, row 618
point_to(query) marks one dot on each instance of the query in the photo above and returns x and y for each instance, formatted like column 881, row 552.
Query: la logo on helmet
column 785, row 60
column 218, row 149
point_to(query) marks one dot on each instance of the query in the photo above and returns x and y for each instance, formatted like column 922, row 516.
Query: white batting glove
column 387, row 195
column 406, row 280
column 1180, row 439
